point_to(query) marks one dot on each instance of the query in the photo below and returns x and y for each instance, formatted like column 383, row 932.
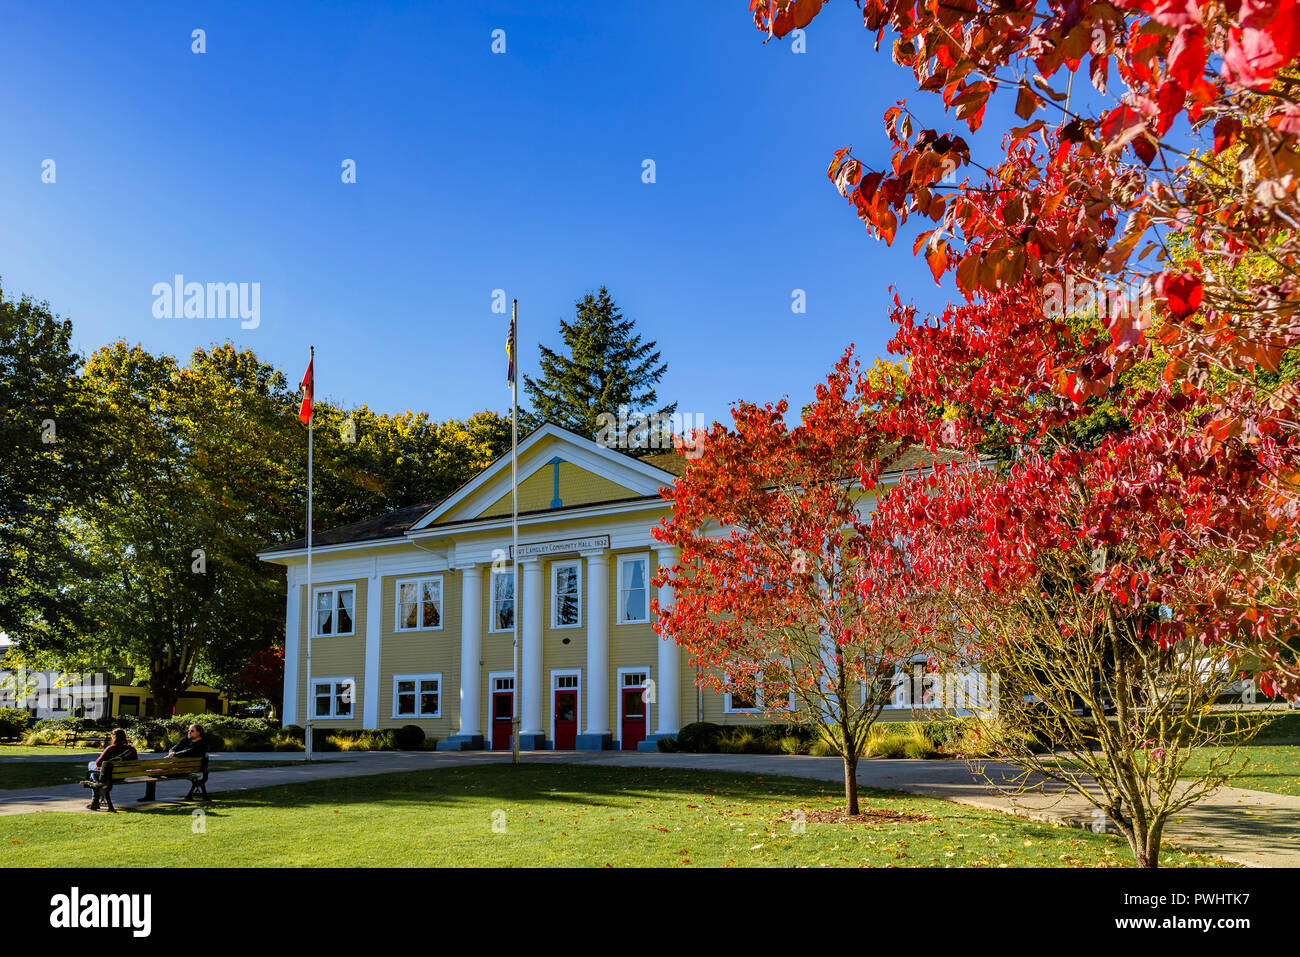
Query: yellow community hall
column 412, row 612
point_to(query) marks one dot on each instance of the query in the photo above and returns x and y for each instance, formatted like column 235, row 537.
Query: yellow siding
column 577, row 487
column 333, row 657
column 432, row 651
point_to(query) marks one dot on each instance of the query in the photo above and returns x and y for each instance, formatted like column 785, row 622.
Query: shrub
column 43, row 736
column 13, row 723
column 409, row 737
column 353, row 739
column 667, row 745
column 918, row 744
column 791, row 744
column 821, row 749
column 700, row 737
column 886, row 742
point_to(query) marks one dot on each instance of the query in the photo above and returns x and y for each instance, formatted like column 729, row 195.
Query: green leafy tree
column 48, row 461
column 608, row 368
column 201, row 466
column 368, row 463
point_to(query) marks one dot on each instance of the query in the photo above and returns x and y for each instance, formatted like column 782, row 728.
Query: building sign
column 564, row 545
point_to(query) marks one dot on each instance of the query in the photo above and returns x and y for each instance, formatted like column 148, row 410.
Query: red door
column 633, row 718
column 503, row 712
column 566, row 720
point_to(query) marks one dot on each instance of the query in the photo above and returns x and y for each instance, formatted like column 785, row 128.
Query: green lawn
column 22, row 750
column 1263, row 767
column 537, row 815
column 40, row 774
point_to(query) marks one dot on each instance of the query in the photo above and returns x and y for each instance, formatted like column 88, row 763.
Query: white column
column 669, row 696
column 374, row 628
column 531, row 658
column 597, row 642
column 471, row 647
column 293, row 595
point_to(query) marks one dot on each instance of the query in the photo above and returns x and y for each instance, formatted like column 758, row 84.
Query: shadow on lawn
column 530, row 784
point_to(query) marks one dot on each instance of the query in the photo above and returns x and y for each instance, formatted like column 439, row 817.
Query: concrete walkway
column 1255, row 828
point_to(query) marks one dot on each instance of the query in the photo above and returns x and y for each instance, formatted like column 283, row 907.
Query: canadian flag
column 308, row 385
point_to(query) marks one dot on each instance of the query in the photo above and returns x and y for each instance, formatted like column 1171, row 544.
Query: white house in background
column 412, row 611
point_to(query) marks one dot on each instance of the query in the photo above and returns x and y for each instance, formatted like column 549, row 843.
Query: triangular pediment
column 557, row 469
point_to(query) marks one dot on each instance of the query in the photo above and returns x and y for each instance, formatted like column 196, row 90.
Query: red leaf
column 1120, row 126
column 936, row 255
column 1181, row 291
column 1169, row 100
column 1176, row 13
column 1187, row 56
column 1226, row 131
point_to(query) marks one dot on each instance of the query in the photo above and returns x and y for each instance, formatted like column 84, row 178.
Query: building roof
column 389, row 525
column 395, row 524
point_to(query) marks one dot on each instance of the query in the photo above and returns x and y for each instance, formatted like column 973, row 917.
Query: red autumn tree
column 1007, row 565
column 1155, row 189
column 772, row 525
column 1102, row 560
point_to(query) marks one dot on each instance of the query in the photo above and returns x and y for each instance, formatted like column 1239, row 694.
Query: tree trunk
column 851, row 784
column 1146, row 848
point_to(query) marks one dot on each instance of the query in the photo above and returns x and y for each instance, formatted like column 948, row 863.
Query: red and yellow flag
column 308, row 388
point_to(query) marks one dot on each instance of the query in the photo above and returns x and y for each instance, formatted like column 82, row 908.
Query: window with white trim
column 333, row 697
column 501, row 594
column 419, row 604
column 566, row 594
column 766, row 693
column 633, row 589
column 417, row 696
column 334, row 611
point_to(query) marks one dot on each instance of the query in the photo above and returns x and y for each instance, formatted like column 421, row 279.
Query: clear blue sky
column 475, row 172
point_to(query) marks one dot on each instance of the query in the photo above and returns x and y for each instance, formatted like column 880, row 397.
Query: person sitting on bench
column 193, row 745
column 119, row 748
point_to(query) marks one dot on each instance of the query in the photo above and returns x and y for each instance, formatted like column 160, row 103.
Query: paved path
column 1249, row 827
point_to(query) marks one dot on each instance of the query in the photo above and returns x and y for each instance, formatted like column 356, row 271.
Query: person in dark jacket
column 119, row 747
column 193, row 745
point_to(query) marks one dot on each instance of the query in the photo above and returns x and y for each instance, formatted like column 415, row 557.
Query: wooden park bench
column 150, row 771
column 73, row 738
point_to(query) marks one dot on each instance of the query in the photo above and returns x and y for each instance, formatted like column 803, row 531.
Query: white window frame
column 618, row 594
column 492, row 601
column 760, row 700
column 432, row 676
column 334, row 591
column 555, row 592
column 419, row 583
column 334, row 683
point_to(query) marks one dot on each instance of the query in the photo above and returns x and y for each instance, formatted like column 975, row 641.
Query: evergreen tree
column 609, row 371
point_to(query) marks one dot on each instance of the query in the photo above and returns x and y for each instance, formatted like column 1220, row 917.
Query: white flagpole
column 310, row 702
column 514, row 518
